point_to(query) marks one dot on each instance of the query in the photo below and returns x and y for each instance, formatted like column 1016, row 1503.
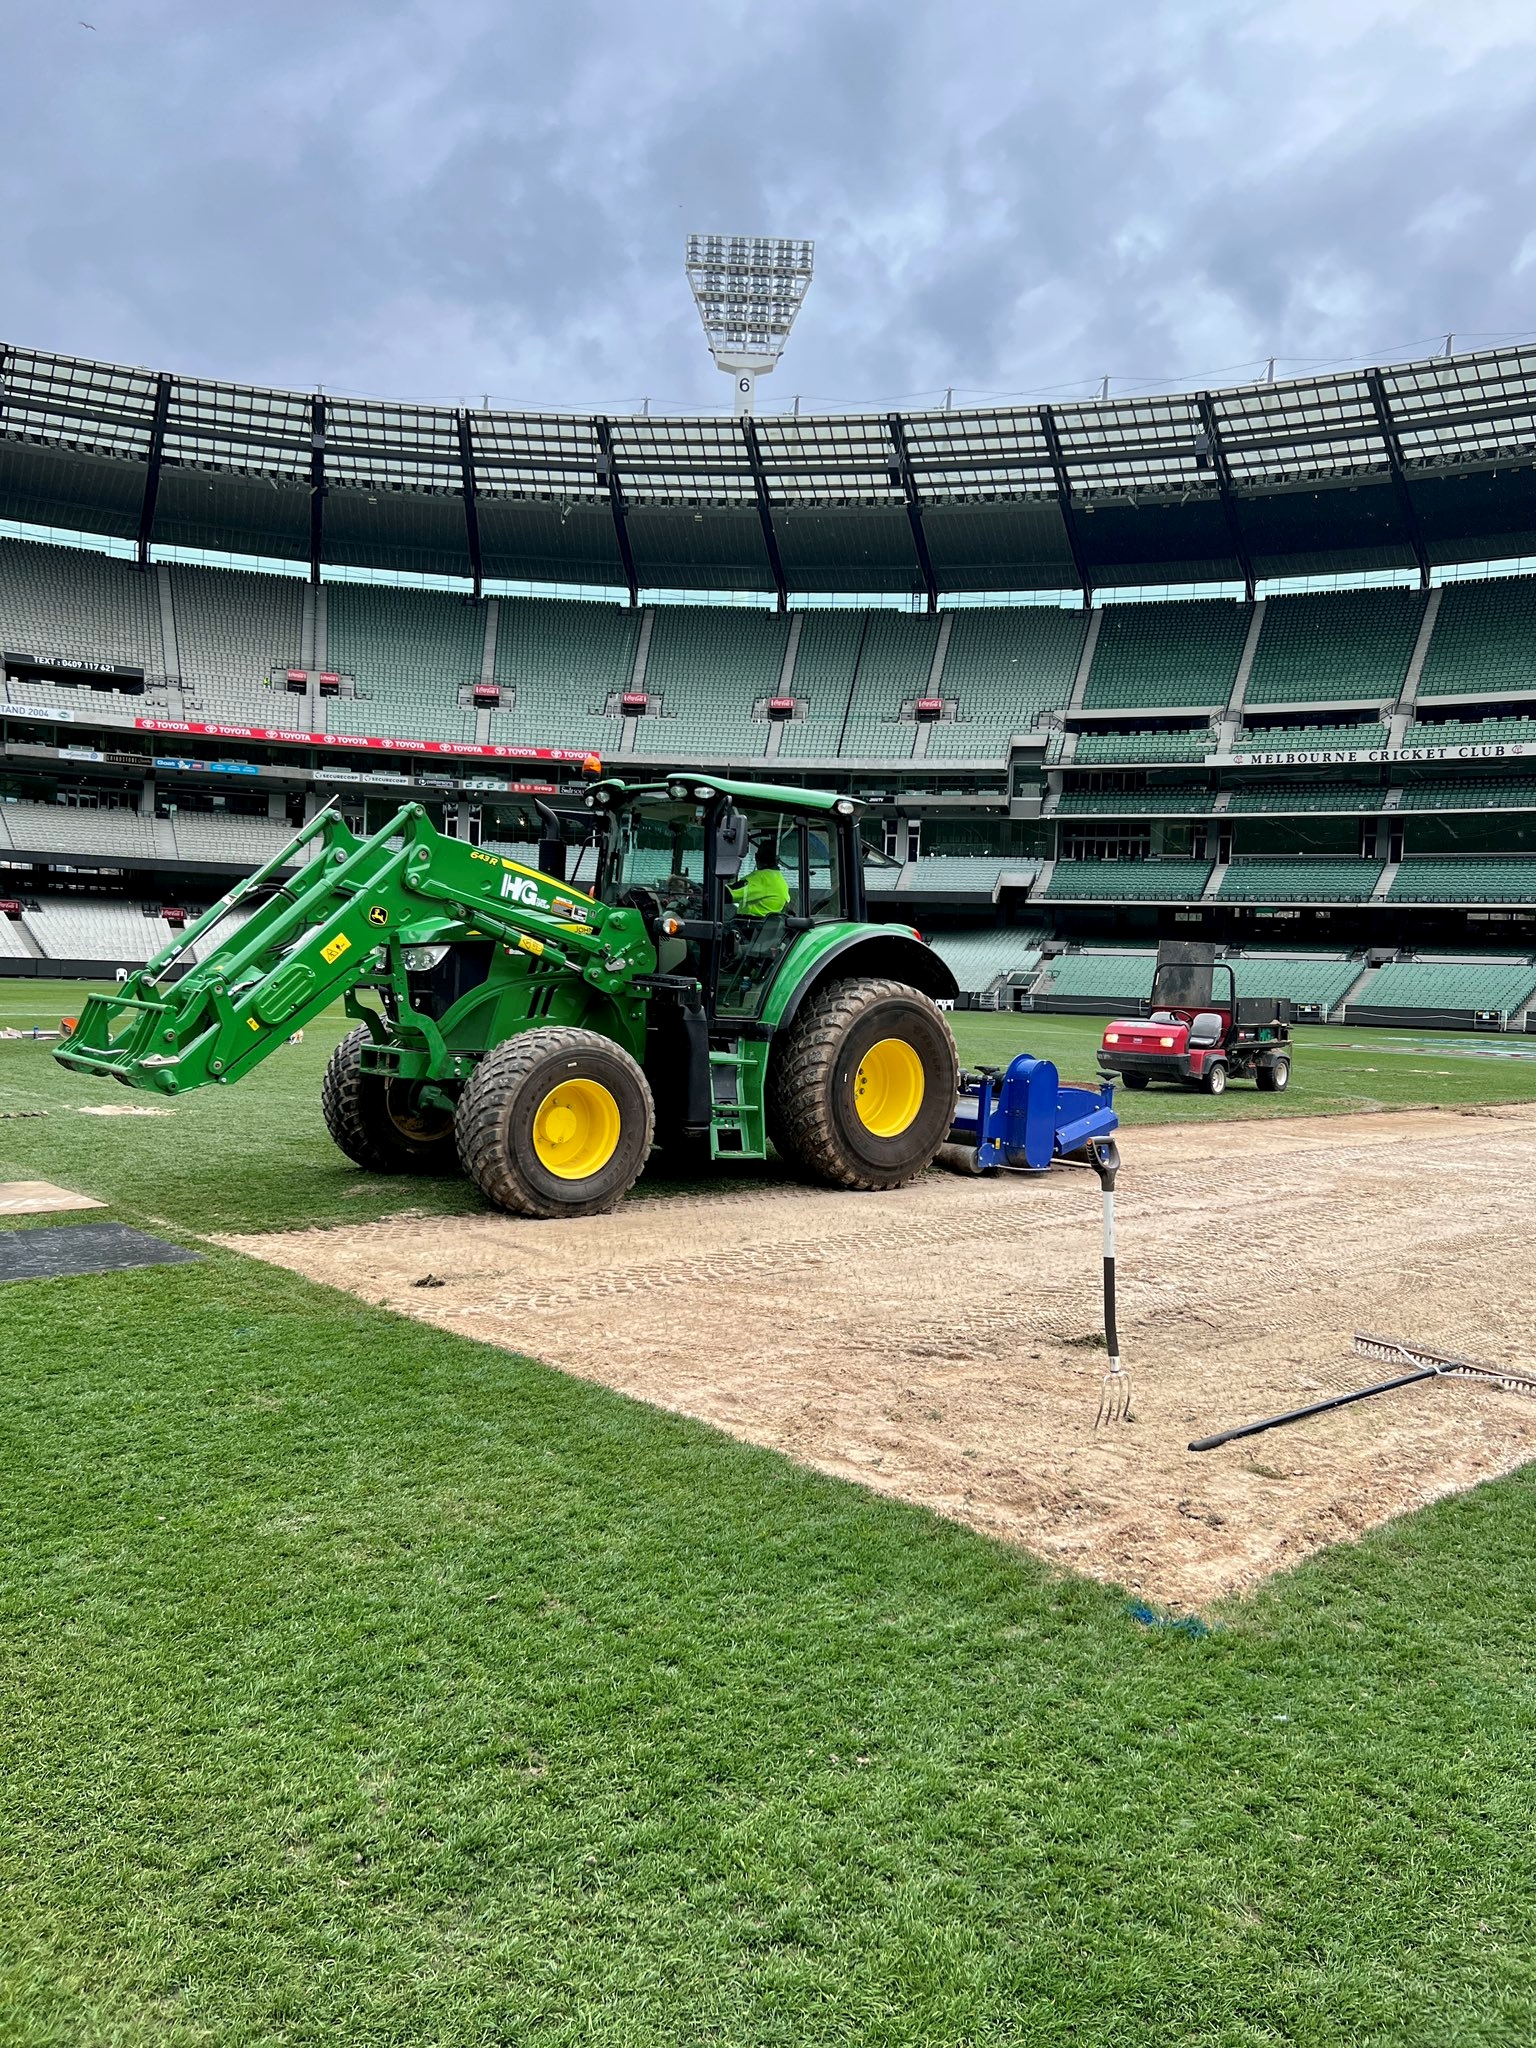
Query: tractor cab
column 1198, row 1031
column 728, row 876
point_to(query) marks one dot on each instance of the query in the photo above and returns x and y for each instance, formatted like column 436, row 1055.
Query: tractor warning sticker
column 378, row 914
column 339, row 945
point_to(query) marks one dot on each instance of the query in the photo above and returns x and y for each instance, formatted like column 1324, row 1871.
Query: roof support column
column 1064, row 501
column 765, row 509
column 608, row 474
column 316, row 486
column 152, row 470
column 1225, row 492
column 1405, row 502
column 908, row 480
column 471, row 509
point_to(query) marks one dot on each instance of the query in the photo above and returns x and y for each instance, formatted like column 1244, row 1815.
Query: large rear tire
column 862, row 1088
column 381, row 1124
column 555, row 1122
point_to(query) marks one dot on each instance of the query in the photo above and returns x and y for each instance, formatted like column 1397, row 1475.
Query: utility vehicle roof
column 783, row 795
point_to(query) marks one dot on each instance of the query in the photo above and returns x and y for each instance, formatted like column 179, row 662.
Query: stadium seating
column 1311, row 879
column 77, row 928
column 1477, row 732
column 1504, row 986
column 978, row 959
column 565, row 662
column 1176, row 800
column 1303, row 978
column 229, row 837
column 58, row 828
column 1484, row 640
column 1006, row 671
column 965, row 873
column 12, row 945
column 1310, row 739
column 1115, row 977
column 1466, row 880
column 1283, row 797
column 824, row 671
column 86, row 607
column 1469, row 794
column 410, row 652
column 894, row 667
column 1337, row 645
column 1157, row 655
column 709, row 666
column 1168, row 881
column 1134, row 747
column 234, row 632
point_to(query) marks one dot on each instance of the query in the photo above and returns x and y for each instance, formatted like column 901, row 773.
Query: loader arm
column 321, row 933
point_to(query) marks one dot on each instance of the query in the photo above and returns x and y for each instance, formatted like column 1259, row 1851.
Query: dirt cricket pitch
column 938, row 1343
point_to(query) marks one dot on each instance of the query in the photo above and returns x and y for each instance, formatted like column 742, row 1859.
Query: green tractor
column 712, row 986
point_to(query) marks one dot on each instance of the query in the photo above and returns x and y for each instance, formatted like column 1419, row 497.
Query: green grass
column 362, row 1684
column 257, row 1156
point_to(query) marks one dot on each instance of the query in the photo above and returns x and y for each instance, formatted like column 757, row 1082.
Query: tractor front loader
column 542, row 1036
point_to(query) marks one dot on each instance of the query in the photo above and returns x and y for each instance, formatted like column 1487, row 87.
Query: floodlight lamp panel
column 748, row 289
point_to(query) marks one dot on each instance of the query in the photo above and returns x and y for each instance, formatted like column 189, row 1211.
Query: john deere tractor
column 689, row 964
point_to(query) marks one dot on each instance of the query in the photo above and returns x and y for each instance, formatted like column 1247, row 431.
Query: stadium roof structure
column 1413, row 465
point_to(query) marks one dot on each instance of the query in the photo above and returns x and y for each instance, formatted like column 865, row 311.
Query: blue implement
column 1026, row 1117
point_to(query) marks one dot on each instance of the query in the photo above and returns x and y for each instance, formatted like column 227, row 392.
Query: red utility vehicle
column 1200, row 1032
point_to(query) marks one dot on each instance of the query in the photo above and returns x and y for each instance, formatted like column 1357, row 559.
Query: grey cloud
column 454, row 197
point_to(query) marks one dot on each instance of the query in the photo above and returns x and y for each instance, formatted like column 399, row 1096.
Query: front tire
column 555, row 1122
column 381, row 1124
column 862, row 1089
column 1214, row 1080
column 1134, row 1080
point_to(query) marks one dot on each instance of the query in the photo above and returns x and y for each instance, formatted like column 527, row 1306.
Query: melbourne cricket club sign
column 1328, row 757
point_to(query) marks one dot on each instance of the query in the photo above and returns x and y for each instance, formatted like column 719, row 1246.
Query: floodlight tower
column 748, row 289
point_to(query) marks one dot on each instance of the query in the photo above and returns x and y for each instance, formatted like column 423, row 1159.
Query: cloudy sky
column 457, row 198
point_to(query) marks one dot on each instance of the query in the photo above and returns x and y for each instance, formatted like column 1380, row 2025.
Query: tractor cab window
column 823, row 875
column 661, row 850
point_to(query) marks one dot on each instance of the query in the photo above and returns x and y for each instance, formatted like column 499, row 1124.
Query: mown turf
column 362, row 1684
column 256, row 1156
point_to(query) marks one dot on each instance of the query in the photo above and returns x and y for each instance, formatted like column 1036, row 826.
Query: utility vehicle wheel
column 1134, row 1080
column 555, row 1122
column 379, row 1123
column 862, row 1087
column 1214, row 1081
column 1274, row 1077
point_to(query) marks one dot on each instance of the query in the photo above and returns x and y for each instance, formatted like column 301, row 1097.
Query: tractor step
column 737, row 1128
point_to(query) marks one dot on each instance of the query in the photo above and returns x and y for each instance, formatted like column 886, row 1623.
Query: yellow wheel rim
column 576, row 1130
column 888, row 1088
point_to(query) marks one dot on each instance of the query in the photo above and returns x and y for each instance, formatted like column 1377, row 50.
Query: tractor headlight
column 422, row 959
column 1111, row 1038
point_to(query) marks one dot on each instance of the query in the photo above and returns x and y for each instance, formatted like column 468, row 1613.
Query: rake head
column 1114, row 1395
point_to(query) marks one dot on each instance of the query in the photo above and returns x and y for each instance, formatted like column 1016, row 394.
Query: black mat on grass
column 69, row 1248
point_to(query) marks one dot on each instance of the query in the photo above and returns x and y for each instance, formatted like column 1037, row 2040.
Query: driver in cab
column 765, row 892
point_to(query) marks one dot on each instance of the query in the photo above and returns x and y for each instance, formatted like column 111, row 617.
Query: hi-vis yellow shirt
column 764, row 893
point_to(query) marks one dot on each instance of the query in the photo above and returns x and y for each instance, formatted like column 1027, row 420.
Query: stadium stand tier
column 1484, row 642
column 1005, row 671
column 78, row 606
column 1165, row 881
column 1335, row 645
column 1109, row 747
column 1476, row 732
column 978, row 959
column 1456, row 988
column 1182, row 800
column 1508, row 879
column 1353, row 799
column 1311, row 879
column 1309, row 739
column 1166, row 655
column 1469, row 795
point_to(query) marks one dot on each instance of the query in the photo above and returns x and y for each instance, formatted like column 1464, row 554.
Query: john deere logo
column 378, row 914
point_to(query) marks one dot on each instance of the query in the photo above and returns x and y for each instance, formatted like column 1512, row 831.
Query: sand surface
column 937, row 1343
